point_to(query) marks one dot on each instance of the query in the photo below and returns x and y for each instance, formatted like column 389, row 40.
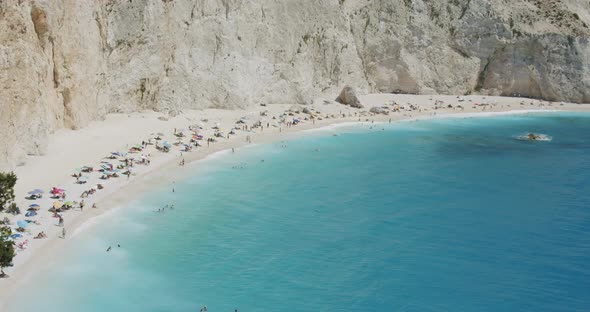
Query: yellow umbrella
column 57, row 204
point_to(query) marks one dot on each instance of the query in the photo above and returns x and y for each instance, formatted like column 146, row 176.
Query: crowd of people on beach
column 124, row 163
column 134, row 158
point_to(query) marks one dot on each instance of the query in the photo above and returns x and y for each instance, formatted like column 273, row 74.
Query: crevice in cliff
column 55, row 72
column 459, row 51
column 66, row 95
column 217, row 48
column 227, row 8
column 101, row 32
column 148, row 93
column 358, row 51
column 464, row 9
column 481, row 78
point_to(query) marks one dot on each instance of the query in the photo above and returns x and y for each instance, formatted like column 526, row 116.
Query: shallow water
column 438, row 215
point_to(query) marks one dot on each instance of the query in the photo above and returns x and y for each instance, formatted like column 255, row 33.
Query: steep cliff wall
column 64, row 63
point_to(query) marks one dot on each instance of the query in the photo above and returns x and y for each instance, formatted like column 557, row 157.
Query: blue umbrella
column 30, row 214
column 166, row 144
column 34, row 206
column 35, row 191
column 22, row 224
column 16, row 235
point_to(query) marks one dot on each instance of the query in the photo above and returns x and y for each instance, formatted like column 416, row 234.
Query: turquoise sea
column 437, row 215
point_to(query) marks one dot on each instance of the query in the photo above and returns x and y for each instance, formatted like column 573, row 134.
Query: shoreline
column 165, row 169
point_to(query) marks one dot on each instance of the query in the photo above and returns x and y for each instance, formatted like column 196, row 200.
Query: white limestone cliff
column 64, row 63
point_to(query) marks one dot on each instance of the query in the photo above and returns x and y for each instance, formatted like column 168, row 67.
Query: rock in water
column 348, row 97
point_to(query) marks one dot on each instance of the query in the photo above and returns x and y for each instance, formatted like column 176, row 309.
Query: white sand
column 70, row 149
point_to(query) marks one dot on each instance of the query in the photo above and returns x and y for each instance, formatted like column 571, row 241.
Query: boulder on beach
column 348, row 97
column 379, row 110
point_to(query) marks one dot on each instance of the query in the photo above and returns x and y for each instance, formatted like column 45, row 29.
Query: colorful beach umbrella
column 22, row 224
column 56, row 190
column 36, row 192
column 34, row 206
column 57, row 204
column 30, row 214
column 16, row 235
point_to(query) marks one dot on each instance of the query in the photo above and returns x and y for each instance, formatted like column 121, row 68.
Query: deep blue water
column 439, row 215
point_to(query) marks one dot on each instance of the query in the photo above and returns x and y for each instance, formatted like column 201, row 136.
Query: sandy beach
column 71, row 149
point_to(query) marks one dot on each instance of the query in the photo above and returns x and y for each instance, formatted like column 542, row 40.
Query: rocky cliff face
column 64, row 63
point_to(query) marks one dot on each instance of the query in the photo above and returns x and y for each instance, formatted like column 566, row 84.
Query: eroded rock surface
column 64, row 63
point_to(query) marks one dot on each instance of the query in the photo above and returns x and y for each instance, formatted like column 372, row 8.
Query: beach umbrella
column 56, row 190
column 83, row 178
column 22, row 223
column 69, row 203
column 16, row 235
column 36, row 191
column 166, row 144
column 57, row 204
column 30, row 214
column 160, row 134
column 34, row 206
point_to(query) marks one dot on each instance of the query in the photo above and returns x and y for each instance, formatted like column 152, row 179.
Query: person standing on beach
column 63, row 233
